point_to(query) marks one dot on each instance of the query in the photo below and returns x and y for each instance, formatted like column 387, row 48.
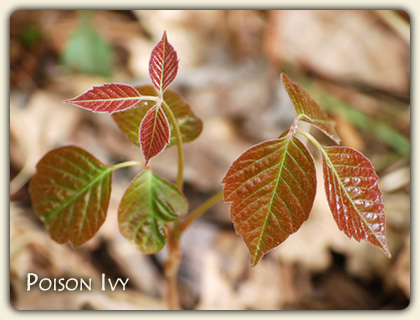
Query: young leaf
column 147, row 205
column 272, row 187
column 154, row 132
column 308, row 110
column 163, row 65
column 70, row 192
column 108, row 98
column 351, row 185
column 189, row 124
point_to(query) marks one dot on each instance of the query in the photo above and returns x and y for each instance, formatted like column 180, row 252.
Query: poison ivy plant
column 271, row 186
column 71, row 189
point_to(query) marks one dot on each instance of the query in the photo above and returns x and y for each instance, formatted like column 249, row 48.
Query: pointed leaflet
column 108, row 98
column 154, row 132
column 163, row 65
column 70, row 192
column 147, row 205
column 308, row 110
column 351, row 185
column 272, row 187
column 189, row 124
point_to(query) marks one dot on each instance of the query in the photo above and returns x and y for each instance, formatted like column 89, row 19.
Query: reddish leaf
column 108, row 98
column 351, row 185
column 154, row 133
column 163, row 65
column 308, row 110
column 70, row 192
column 146, row 207
column 272, row 187
column 189, row 124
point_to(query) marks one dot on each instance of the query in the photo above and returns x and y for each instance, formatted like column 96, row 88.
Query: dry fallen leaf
column 340, row 44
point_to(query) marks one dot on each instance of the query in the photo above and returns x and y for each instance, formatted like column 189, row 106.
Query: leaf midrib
column 88, row 186
column 342, row 187
column 110, row 99
column 281, row 165
column 153, row 131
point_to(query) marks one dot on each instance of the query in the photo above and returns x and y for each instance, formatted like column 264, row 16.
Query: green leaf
column 353, row 195
column 70, row 192
column 86, row 51
column 272, row 187
column 147, row 205
column 129, row 121
column 308, row 110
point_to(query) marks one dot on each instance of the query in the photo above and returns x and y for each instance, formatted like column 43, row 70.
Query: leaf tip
column 386, row 250
column 283, row 77
column 254, row 260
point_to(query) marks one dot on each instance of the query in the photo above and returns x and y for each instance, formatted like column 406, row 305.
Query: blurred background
column 356, row 64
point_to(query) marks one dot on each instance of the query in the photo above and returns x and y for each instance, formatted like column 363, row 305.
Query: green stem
column 179, row 144
column 171, row 266
column 312, row 139
column 127, row 164
column 200, row 210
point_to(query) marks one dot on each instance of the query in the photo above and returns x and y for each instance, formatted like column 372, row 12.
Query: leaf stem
column 308, row 136
column 171, row 266
column 171, row 269
column 315, row 142
column 179, row 144
column 200, row 210
column 127, row 164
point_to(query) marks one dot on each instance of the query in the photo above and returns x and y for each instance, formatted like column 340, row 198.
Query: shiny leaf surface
column 108, row 98
column 154, row 132
column 189, row 124
column 163, row 65
column 272, row 187
column 351, row 185
column 70, row 192
column 308, row 110
column 147, row 205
